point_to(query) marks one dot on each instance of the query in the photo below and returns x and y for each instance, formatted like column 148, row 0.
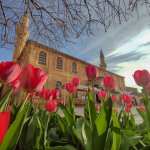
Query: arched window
column 58, row 85
column 59, row 63
column 74, row 67
column 42, row 58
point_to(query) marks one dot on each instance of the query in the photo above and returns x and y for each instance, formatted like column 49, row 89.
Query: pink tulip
column 129, row 104
column 15, row 85
column 102, row 95
column 141, row 77
column 32, row 79
column 142, row 108
column 126, row 98
column 114, row 99
column 70, row 87
column 61, row 101
column 55, row 93
column 127, row 109
column 76, row 81
column 9, row 71
column 109, row 82
column 91, row 72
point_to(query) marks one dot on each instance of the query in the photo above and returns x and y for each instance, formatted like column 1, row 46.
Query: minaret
column 22, row 34
column 102, row 61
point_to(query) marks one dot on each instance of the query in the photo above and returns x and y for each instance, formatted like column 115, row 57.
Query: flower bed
column 35, row 124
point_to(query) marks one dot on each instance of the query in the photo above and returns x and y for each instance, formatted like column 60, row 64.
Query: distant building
column 60, row 67
column 136, row 96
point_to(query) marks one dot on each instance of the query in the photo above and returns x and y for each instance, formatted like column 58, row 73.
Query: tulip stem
column 46, row 130
column 22, row 106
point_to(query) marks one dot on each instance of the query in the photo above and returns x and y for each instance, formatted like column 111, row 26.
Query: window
column 74, row 67
column 42, row 58
column 59, row 63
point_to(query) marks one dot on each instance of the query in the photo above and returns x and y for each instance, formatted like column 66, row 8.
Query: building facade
column 60, row 67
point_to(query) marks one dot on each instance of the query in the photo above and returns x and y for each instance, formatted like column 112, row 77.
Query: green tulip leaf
column 68, row 116
column 116, row 136
column 39, row 137
column 87, row 135
column 5, row 100
column 91, row 109
column 147, row 107
column 101, row 126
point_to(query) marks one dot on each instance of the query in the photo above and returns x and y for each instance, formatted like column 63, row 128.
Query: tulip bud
column 61, row 101
column 127, row 109
column 51, row 105
column 109, row 82
column 141, row 77
column 114, row 99
column 15, row 85
column 9, row 71
column 76, row 81
column 126, row 98
column 55, row 93
column 142, row 108
column 102, row 95
column 70, row 88
column 32, row 79
column 129, row 104
column 91, row 72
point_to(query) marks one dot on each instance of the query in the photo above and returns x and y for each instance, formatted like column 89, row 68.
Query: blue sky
column 126, row 47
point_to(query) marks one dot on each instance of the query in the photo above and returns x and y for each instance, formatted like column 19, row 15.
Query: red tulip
column 70, row 87
column 97, row 107
column 4, row 123
column 32, row 79
column 91, row 72
column 127, row 109
column 114, row 99
column 55, row 93
column 141, row 77
column 9, row 71
column 76, row 81
column 126, row 98
column 129, row 104
column 41, row 93
column 142, row 108
column 51, row 105
column 31, row 96
column 109, row 82
column 102, row 95
column 61, row 101
column 14, row 85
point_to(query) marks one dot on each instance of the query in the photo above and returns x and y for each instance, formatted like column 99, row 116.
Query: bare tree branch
column 55, row 22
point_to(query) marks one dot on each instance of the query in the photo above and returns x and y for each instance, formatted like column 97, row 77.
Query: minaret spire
column 22, row 34
column 102, row 60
